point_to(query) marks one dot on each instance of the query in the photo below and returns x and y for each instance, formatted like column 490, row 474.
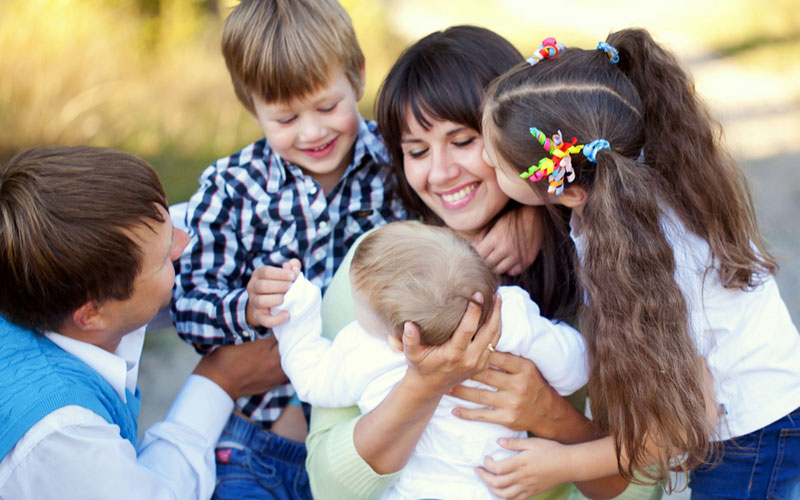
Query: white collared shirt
column 73, row 453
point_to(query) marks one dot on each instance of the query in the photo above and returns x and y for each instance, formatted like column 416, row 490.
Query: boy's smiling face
column 315, row 132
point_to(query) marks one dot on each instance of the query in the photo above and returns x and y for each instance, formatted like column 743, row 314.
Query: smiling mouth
column 460, row 194
column 321, row 147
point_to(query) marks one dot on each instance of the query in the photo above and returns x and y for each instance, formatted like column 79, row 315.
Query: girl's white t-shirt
column 747, row 337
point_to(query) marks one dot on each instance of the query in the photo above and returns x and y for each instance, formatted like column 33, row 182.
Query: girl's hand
column 523, row 401
column 437, row 369
column 513, row 242
column 541, row 464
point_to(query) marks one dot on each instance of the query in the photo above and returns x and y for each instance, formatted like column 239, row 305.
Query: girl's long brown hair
column 647, row 380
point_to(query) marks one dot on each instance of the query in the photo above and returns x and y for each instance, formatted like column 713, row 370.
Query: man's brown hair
column 407, row 271
column 286, row 49
column 66, row 216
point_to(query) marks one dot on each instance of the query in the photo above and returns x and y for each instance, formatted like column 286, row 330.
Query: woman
column 429, row 113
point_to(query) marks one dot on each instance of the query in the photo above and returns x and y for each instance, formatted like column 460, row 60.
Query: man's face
column 316, row 132
column 153, row 286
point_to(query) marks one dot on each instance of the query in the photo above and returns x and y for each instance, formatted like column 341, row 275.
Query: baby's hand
column 266, row 289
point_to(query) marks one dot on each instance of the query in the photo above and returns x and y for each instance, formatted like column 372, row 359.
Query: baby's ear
column 395, row 343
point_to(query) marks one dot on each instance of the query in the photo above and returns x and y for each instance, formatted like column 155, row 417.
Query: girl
column 676, row 279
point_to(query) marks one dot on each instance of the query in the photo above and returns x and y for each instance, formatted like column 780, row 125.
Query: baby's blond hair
column 281, row 50
column 406, row 271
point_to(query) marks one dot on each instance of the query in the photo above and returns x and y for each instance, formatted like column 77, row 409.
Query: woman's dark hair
column 443, row 77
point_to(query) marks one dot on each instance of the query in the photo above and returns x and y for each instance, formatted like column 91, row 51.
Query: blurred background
column 147, row 76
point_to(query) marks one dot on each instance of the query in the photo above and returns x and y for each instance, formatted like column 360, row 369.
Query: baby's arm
column 557, row 349
column 317, row 367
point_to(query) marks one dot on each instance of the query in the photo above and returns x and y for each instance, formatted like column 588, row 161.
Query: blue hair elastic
column 609, row 49
column 590, row 150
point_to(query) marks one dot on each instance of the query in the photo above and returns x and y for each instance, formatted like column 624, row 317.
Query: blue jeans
column 255, row 464
column 764, row 464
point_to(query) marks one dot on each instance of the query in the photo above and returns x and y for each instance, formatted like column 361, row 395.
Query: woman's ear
column 574, row 196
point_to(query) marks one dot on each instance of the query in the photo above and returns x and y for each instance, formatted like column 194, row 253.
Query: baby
column 406, row 271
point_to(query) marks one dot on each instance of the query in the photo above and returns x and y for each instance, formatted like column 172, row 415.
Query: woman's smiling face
column 445, row 167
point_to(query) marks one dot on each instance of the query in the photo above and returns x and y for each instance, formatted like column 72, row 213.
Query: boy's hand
column 266, row 289
column 513, row 243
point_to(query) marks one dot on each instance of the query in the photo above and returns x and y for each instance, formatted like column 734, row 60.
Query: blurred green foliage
column 147, row 76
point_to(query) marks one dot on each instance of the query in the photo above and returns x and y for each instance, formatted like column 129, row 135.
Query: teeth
column 458, row 195
column 321, row 147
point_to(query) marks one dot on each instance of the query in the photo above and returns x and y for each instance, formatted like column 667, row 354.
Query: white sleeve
column 557, row 349
column 316, row 366
column 73, row 453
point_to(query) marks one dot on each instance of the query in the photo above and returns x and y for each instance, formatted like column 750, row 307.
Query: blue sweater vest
column 37, row 377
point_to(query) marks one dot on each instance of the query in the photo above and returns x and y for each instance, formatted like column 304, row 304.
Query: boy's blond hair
column 280, row 50
column 407, row 271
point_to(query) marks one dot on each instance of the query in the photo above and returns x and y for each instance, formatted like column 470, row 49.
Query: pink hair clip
column 547, row 50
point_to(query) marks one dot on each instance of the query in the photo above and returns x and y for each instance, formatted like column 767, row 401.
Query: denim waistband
column 262, row 442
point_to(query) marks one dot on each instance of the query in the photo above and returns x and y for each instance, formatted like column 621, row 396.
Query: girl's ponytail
column 705, row 186
column 639, row 347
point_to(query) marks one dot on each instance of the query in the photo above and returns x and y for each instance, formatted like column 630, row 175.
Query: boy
column 86, row 246
column 306, row 191
column 402, row 272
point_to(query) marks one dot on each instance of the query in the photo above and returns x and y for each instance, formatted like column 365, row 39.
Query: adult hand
column 438, row 368
column 523, row 401
column 244, row 369
column 265, row 290
column 541, row 464
column 511, row 245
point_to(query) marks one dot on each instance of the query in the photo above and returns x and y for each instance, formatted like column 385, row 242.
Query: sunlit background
column 147, row 76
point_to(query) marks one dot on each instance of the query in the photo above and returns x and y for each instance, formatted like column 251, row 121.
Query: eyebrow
column 447, row 134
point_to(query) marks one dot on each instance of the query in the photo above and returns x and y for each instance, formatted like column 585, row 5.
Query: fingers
column 490, row 331
column 412, row 342
column 466, row 329
column 483, row 397
column 266, row 319
column 507, row 362
column 276, row 273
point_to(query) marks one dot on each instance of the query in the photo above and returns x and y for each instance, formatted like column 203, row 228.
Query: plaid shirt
column 255, row 209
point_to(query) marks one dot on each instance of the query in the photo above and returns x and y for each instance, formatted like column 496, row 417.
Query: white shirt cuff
column 203, row 406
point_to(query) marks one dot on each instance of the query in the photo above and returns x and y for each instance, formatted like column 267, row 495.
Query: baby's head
column 407, row 271
column 282, row 50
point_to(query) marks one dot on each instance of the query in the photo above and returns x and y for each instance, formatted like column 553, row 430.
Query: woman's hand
column 513, row 242
column 440, row 368
column 541, row 464
column 523, row 401
column 386, row 436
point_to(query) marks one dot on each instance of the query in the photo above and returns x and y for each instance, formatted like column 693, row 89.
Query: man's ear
column 90, row 317
column 574, row 196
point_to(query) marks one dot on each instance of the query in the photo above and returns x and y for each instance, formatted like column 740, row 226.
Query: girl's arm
column 524, row 401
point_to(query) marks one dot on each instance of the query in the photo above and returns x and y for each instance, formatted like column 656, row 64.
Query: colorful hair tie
column 590, row 150
column 547, row 50
column 558, row 167
column 610, row 51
